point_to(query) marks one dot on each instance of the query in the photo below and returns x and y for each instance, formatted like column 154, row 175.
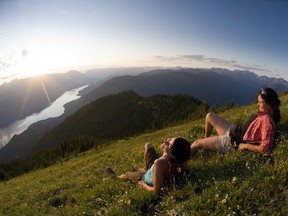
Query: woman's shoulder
column 266, row 116
column 162, row 161
column 267, row 119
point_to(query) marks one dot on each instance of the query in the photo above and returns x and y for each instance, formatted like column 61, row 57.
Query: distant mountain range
column 21, row 98
column 212, row 86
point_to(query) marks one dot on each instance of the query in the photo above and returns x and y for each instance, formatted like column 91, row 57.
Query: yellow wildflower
column 129, row 202
column 223, row 201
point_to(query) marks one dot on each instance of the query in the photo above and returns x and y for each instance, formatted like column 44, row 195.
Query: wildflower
column 234, row 179
column 223, row 201
column 129, row 202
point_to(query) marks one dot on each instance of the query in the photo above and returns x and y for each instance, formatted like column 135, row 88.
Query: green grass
column 237, row 183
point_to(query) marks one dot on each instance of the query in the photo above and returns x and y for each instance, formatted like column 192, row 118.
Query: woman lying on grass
column 256, row 134
column 176, row 152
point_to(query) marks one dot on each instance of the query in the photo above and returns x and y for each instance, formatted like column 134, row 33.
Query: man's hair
column 181, row 150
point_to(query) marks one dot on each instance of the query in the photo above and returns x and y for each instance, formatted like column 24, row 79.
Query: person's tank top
column 148, row 176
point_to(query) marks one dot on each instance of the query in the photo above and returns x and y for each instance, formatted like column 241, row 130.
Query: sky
column 58, row 35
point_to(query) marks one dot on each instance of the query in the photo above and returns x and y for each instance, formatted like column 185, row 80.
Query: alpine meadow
column 87, row 85
column 236, row 183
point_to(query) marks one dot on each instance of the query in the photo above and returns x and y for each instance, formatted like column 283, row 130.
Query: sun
column 52, row 53
column 26, row 62
column 39, row 60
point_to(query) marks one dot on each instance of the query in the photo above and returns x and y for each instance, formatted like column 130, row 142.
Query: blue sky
column 46, row 36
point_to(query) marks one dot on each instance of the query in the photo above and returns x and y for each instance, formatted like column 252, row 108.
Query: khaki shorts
column 224, row 141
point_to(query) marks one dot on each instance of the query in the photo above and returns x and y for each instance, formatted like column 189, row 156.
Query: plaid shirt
column 261, row 131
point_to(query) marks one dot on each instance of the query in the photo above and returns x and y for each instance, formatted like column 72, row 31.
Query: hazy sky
column 39, row 36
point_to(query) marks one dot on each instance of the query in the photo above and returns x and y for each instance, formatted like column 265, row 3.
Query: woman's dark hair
column 181, row 150
column 271, row 98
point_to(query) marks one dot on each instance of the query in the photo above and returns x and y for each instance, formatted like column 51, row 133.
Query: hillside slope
column 237, row 183
column 123, row 115
column 108, row 118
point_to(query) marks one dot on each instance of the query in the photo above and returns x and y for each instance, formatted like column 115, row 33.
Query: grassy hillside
column 123, row 115
column 109, row 118
column 237, row 183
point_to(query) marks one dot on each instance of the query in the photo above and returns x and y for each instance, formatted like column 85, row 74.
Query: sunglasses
column 263, row 91
column 168, row 142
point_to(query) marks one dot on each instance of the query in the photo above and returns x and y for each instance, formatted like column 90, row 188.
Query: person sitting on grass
column 256, row 134
column 176, row 152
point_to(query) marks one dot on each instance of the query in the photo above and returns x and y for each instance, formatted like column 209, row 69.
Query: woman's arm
column 251, row 147
column 267, row 129
column 160, row 167
column 145, row 186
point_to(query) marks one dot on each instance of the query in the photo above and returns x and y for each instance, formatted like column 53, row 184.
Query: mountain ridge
column 213, row 86
column 230, row 87
column 110, row 117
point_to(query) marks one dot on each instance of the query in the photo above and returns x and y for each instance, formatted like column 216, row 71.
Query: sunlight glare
column 45, row 91
column 45, row 54
column 41, row 59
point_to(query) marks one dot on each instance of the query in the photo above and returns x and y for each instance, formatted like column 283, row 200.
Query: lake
column 55, row 109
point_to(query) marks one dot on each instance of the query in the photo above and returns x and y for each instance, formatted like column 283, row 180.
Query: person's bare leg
column 147, row 146
column 218, row 123
column 209, row 144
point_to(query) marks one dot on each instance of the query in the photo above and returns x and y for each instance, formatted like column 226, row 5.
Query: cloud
column 3, row 65
column 198, row 58
column 210, row 62
column 64, row 12
column 24, row 53
column 192, row 57
column 181, row 58
column 11, row 58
